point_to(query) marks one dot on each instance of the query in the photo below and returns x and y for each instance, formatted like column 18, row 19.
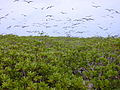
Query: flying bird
column 80, row 32
column 88, row 19
column 8, row 27
column 76, row 24
column 35, row 8
column 42, row 8
column 103, row 28
column 49, row 16
column 63, row 12
column 89, row 16
column 109, row 10
column 48, row 26
column 24, row 26
column 95, row 6
column 24, row 15
column 49, row 7
column 49, row 19
column 6, row 14
column 77, row 20
column 1, row 18
column 110, row 16
column 15, row 0
column 112, row 10
column 17, row 26
column 28, row 1
column 72, row 8
column 100, row 27
column 117, row 12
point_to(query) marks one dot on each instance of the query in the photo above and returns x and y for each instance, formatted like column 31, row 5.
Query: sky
column 74, row 18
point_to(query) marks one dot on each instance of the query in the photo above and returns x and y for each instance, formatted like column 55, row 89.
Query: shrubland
column 59, row 63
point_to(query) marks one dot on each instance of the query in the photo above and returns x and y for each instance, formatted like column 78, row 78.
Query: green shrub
column 59, row 63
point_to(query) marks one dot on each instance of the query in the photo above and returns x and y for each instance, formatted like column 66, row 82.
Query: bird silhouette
column 49, row 7
column 76, row 24
column 80, row 32
column 17, row 26
column 113, row 11
column 109, row 10
column 63, row 12
column 72, row 8
column 24, row 26
column 28, row 1
column 49, row 19
column 15, row 0
column 49, row 15
column 48, row 26
column 6, row 14
column 24, row 15
column 110, row 16
column 96, row 6
column 77, row 20
column 117, row 12
column 1, row 18
column 89, row 16
column 88, row 19
column 42, row 8
column 100, row 27
column 8, row 27
column 103, row 28
column 35, row 8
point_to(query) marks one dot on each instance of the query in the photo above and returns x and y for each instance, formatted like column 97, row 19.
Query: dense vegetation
column 59, row 63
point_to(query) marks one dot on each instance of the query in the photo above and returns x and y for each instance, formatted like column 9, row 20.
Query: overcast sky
column 77, row 18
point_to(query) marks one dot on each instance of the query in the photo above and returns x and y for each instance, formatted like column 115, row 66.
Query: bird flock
column 67, row 24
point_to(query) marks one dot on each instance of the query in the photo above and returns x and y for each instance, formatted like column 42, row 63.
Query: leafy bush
column 59, row 63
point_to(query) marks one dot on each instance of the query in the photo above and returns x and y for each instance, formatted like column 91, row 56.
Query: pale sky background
column 76, row 18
